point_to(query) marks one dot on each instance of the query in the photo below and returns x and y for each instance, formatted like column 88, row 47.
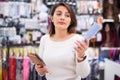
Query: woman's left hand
column 81, row 47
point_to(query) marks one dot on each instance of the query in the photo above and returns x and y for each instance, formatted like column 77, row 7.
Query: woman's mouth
column 61, row 23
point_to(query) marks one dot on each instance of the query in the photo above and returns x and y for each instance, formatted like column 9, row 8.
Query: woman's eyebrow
column 61, row 11
column 58, row 11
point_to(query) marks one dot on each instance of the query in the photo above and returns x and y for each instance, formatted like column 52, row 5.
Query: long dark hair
column 71, row 28
column 114, row 10
column 112, row 33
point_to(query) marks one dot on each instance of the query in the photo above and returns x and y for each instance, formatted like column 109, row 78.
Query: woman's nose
column 62, row 17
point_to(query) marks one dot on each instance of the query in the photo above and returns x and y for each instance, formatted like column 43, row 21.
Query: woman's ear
column 51, row 18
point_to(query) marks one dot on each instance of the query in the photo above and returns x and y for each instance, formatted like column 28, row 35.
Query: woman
column 109, row 35
column 62, row 49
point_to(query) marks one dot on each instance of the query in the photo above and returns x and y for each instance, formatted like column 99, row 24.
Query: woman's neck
column 61, row 36
column 61, row 33
column 107, row 37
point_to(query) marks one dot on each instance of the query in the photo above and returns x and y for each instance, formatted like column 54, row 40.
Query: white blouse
column 60, row 59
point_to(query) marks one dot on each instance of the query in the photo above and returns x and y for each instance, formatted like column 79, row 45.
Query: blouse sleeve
column 82, row 68
column 41, row 46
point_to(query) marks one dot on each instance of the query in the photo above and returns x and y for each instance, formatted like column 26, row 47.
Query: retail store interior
column 24, row 22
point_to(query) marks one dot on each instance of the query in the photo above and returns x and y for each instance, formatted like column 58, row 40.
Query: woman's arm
column 82, row 68
column 82, row 65
column 42, row 70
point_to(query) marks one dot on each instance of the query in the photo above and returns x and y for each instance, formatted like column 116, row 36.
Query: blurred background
column 23, row 22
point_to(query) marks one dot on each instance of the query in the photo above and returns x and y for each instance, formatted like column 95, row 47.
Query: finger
column 43, row 70
column 87, row 41
column 46, row 69
column 80, row 45
column 84, row 45
column 39, row 66
column 79, row 50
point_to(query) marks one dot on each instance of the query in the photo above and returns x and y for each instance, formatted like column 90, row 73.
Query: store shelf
column 111, row 69
column 108, row 20
column 109, row 48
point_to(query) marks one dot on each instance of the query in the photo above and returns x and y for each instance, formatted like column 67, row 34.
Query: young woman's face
column 61, row 18
column 107, row 28
column 111, row 1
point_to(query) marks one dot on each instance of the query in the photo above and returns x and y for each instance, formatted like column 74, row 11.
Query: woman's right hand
column 42, row 70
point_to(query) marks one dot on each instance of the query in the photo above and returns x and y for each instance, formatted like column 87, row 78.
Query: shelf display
column 110, row 10
column 19, row 64
column 85, row 21
column 111, row 69
column 89, row 6
column 93, row 53
column 15, row 9
column 88, row 13
column 50, row 3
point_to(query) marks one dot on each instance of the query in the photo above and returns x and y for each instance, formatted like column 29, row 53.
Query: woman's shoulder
column 45, row 37
column 78, row 37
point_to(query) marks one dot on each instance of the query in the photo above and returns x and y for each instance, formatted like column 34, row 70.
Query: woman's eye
column 67, row 15
column 58, row 14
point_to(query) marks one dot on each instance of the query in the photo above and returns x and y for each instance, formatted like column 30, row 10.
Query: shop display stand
column 111, row 69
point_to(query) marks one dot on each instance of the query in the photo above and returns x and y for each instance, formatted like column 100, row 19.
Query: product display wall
column 22, row 23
